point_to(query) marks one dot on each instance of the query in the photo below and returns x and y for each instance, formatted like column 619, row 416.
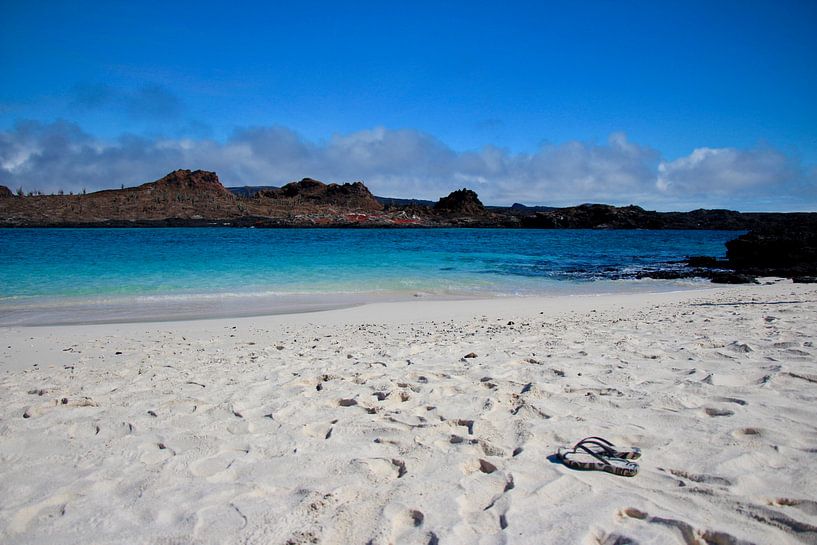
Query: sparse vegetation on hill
column 779, row 244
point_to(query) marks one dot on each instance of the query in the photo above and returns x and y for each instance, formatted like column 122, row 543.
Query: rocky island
column 198, row 198
column 783, row 244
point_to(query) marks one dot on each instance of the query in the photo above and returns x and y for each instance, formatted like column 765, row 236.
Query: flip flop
column 583, row 458
column 602, row 446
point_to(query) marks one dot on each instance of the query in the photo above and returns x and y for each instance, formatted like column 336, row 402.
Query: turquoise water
column 45, row 274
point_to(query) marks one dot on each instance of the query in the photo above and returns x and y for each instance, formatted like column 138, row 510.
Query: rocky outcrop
column 603, row 216
column 183, row 181
column 701, row 218
column 594, row 216
column 462, row 202
column 5, row 192
column 355, row 196
column 520, row 209
column 729, row 277
column 777, row 251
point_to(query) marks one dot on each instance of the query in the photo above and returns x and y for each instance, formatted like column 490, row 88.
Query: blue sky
column 669, row 105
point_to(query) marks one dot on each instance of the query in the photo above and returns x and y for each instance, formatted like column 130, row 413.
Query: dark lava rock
column 665, row 274
column 462, row 202
column 732, row 278
column 706, row 219
column 790, row 251
column 603, row 216
column 804, row 279
column 352, row 196
column 5, row 192
column 595, row 216
column 703, row 261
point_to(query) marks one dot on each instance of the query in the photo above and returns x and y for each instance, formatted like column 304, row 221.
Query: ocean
column 50, row 276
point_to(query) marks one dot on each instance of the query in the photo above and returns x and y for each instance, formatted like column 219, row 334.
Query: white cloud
column 409, row 163
column 725, row 171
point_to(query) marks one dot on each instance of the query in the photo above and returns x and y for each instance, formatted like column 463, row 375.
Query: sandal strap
column 605, row 446
column 595, row 439
column 595, row 455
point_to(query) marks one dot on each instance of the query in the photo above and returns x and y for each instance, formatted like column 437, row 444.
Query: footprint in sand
column 715, row 411
column 735, row 400
column 689, row 534
column 154, row 453
column 216, row 467
column 383, row 469
column 218, row 520
column 808, row 507
column 802, row 376
column 747, row 433
column 83, row 429
column 39, row 512
column 485, row 500
column 406, row 525
column 318, row 430
column 699, row 477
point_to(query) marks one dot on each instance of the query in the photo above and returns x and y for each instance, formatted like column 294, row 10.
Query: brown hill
column 182, row 194
column 5, row 192
column 194, row 197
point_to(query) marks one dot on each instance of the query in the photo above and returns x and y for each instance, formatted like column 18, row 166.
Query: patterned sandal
column 583, row 458
column 604, row 447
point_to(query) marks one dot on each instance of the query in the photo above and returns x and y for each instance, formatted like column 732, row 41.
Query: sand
column 368, row 425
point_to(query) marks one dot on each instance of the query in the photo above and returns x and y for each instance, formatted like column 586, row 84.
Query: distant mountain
column 355, row 196
column 253, row 190
column 250, row 190
column 517, row 208
column 185, row 197
column 393, row 201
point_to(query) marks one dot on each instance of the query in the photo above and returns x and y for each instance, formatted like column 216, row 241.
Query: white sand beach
column 369, row 426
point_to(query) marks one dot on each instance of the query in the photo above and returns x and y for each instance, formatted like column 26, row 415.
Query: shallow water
column 70, row 275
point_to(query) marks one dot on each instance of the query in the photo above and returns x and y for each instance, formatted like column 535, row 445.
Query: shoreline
column 181, row 307
column 370, row 425
column 398, row 312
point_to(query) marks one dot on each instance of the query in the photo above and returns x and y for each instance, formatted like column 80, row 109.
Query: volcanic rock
column 355, row 196
column 186, row 180
column 732, row 278
column 790, row 251
column 5, row 192
column 703, row 261
column 595, row 216
column 462, row 202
